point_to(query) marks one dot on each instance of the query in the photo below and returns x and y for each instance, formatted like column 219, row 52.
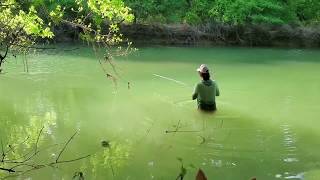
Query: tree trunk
column 3, row 57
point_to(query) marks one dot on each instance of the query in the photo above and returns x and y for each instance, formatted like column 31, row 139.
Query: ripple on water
column 288, row 175
column 219, row 163
column 289, row 143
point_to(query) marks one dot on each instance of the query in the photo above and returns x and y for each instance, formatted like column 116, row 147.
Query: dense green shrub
column 227, row 11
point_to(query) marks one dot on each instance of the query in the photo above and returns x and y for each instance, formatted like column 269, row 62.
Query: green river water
column 267, row 124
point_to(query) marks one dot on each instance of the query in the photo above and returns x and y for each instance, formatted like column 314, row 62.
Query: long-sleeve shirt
column 205, row 92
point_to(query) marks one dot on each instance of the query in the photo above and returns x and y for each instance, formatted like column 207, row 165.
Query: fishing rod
column 183, row 101
column 180, row 83
column 171, row 79
column 177, row 82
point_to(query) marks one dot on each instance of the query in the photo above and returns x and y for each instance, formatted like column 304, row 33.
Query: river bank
column 212, row 34
column 219, row 34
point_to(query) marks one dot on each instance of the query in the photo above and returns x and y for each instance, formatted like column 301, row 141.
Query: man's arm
column 217, row 90
column 195, row 93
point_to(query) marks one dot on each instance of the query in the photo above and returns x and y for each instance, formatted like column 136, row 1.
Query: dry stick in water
column 20, row 163
column 177, row 129
column 21, row 157
column 25, row 162
column 6, row 169
column 147, row 131
column 31, row 154
column 64, row 147
column 167, row 131
column 36, row 146
column 111, row 165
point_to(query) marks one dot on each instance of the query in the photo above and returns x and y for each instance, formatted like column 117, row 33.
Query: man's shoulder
column 199, row 84
column 214, row 82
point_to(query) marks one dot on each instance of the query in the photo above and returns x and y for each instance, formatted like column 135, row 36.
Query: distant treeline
column 224, row 34
column 294, row 12
column 228, row 22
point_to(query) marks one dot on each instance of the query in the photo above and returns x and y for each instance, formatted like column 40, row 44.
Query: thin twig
column 72, row 160
column 34, row 47
column 35, row 152
column 25, row 162
column 110, row 162
column 6, row 169
column 64, row 147
column 3, row 154
column 36, row 146
column 15, row 161
column 180, row 131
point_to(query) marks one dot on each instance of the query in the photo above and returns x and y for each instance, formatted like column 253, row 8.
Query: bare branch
column 5, row 55
column 36, row 146
column 71, row 160
column 83, row 27
column 6, row 5
column 65, row 146
column 24, row 166
column 35, row 151
column 3, row 154
column 15, row 161
column 32, row 47
column 9, row 170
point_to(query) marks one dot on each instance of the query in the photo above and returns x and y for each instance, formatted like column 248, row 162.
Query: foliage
column 19, row 29
column 164, row 11
column 96, row 21
column 308, row 11
column 22, row 22
column 242, row 11
column 226, row 11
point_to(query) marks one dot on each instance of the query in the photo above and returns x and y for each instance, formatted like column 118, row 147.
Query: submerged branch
column 71, row 160
column 25, row 163
column 65, row 146
column 167, row 131
column 8, row 170
column 36, row 146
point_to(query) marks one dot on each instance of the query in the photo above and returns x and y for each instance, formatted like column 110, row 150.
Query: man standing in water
column 206, row 91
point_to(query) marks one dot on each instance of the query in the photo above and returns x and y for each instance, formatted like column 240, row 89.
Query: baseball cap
column 203, row 69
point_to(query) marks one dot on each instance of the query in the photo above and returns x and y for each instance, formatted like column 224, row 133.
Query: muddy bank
column 218, row 34
column 211, row 34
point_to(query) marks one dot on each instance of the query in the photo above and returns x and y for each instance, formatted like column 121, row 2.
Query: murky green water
column 267, row 125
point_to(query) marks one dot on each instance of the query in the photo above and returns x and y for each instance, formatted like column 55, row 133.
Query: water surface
column 267, row 124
